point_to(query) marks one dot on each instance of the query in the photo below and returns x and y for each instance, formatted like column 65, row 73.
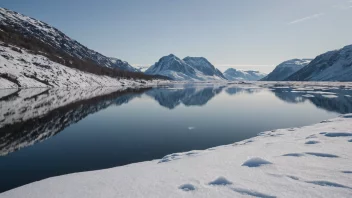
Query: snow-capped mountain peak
column 190, row 68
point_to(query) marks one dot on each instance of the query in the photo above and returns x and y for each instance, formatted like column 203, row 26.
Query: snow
column 281, row 164
column 240, row 75
column 38, row 71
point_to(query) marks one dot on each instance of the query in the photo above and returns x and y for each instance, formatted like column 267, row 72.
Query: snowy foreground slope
column 312, row 161
column 23, row 69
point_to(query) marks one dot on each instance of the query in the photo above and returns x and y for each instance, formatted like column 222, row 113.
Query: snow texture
column 26, row 70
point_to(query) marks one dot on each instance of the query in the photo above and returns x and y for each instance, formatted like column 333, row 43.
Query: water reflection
column 33, row 115
column 99, row 128
column 335, row 100
column 191, row 96
column 39, row 115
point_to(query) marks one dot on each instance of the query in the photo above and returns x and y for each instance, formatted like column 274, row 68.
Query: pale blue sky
column 247, row 34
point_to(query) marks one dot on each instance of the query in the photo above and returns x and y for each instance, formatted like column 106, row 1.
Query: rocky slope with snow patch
column 286, row 69
column 203, row 65
column 239, row 75
column 331, row 66
column 34, row 28
column 20, row 68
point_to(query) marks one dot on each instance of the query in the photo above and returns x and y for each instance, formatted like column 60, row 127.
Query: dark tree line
column 36, row 46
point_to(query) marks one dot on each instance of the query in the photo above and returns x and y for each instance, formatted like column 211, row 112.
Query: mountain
column 238, row 75
column 330, row 66
column 188, row 69
column 286, row 69
column 203, row 65
column 31, row 27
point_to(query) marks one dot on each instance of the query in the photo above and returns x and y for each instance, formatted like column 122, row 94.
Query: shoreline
column 314, row 158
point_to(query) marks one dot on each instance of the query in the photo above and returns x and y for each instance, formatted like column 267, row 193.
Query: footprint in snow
column 251, row 193
column 325, row 121
column 311, row 136
column 187, row 187
column 255, row 162
column 293, row 155
column 220, row 181
column 329, row 184
column 322, row 155
column 340, row 134
column 312, row 142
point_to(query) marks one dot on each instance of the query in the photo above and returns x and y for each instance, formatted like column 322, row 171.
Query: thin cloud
column 306, row 18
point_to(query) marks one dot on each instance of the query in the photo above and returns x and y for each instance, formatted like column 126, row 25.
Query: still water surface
column 138, row 125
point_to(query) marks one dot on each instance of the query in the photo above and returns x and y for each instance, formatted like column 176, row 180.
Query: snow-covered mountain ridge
column 285, row 69
column 239, row 75
column 31, row 27
column 331, row 66
column 21, row 69
column 188, row 69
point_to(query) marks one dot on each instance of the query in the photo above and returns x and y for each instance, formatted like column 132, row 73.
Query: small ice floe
column 308, row 96
column 191, row 128
column 330, row 96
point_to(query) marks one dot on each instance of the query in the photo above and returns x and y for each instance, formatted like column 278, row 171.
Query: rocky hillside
column 330, row 66
column 286, row 69
column 31, row 27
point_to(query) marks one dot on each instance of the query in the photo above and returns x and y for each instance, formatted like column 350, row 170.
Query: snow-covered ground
column 29, row 70
column 312, row 161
